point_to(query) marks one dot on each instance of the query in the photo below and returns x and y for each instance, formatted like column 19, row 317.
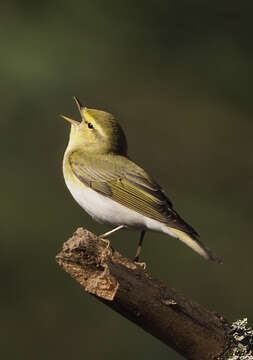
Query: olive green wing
column 123, row 181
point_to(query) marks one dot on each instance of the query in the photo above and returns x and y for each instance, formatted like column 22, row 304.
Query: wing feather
column 129, row 185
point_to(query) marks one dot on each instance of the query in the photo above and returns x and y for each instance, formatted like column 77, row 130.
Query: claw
column 143, row 265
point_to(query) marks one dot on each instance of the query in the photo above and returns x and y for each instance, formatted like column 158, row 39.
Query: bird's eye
column 90, row 126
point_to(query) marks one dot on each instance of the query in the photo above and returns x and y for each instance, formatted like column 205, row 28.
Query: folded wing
column 129, row 185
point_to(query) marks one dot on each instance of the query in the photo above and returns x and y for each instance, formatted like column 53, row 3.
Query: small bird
column 113, row 189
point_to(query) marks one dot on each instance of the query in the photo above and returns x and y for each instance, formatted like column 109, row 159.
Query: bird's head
column 97, row 133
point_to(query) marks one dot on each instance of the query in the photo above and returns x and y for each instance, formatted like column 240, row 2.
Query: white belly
column 107, row 211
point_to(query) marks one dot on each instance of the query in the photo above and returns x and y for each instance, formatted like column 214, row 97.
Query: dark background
column 178, row 75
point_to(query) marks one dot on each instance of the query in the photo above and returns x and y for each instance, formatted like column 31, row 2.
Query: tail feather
column 196, row 245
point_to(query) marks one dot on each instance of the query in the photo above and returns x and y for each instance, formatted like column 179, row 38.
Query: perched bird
column 112, row 188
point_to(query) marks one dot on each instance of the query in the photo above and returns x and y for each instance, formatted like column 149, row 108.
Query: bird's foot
column 106, row 241
column 143, row 265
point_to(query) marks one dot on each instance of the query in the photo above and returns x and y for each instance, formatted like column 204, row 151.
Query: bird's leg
column 138, row 251
column 108, row 233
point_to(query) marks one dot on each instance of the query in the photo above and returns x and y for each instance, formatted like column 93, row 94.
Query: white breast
column 107, row 211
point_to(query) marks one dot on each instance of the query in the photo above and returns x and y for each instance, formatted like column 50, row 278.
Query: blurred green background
column 179, row 76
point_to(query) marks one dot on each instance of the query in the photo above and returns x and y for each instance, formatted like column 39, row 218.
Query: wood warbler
column 112, row 188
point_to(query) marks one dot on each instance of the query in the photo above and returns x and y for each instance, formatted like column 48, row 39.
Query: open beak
column 78, row 104
column 80, row 107
column 72, row 121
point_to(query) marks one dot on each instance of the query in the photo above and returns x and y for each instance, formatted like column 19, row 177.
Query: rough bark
column 170, row 316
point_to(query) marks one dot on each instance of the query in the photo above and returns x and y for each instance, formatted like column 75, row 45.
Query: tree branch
column 170, row 316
